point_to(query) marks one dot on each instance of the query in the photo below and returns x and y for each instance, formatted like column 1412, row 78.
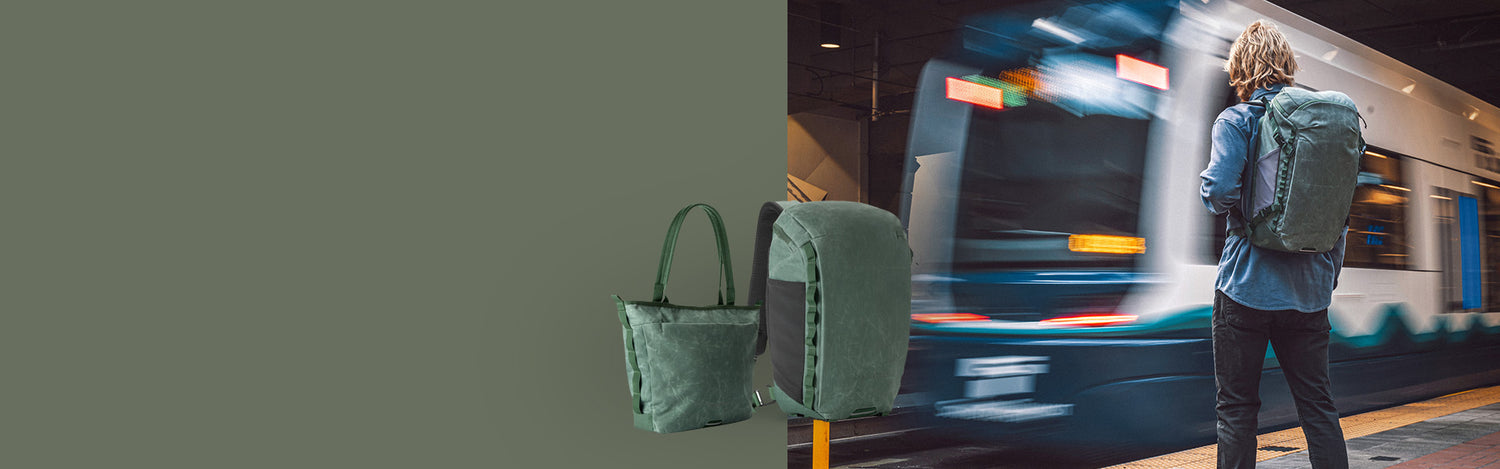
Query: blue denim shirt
column 1255, row 277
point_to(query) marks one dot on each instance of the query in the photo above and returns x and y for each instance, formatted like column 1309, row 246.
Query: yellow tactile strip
column 1355, row 426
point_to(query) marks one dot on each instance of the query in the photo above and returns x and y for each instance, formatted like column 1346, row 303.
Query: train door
column 1468, row 220
column 1489, row 225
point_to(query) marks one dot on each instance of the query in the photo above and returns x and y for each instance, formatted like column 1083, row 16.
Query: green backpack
column 834, row 279
column 1299, row 187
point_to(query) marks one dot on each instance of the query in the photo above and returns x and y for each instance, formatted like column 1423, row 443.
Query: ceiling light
column 832, row 19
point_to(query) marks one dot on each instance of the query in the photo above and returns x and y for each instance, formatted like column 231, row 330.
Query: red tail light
column 1091, row 320
column 937, row 318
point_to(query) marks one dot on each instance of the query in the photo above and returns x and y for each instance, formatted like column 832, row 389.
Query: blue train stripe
column 1468, row 229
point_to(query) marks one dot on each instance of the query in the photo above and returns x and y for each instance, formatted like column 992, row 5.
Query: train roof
column 1313, row 41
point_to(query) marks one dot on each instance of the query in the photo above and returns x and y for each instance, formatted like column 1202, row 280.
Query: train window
column 1377, row 219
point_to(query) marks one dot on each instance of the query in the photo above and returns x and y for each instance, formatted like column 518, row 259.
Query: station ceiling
column 1457, row 41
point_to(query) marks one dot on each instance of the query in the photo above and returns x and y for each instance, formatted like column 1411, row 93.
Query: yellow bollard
column 820, row 444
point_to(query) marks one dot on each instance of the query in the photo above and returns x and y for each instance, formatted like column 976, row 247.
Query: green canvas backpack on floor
column 835, row 282
column 1300, row 185
column 690, row 367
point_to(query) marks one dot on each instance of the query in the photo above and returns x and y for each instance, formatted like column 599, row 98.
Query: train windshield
column 1039, row 172
column 1047, row 153
column 1027, row 158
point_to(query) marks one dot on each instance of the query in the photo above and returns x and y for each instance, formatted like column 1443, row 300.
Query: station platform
column 1460, row 430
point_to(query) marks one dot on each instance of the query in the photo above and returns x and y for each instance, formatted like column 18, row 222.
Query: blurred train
column 1065, row 263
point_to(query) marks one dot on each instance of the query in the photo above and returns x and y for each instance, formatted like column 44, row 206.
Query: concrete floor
column 1403, row 444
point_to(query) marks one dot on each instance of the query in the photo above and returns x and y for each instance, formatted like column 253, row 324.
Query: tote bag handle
column 726, row 271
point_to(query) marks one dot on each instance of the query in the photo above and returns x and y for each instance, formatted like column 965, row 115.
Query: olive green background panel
column 367, row 234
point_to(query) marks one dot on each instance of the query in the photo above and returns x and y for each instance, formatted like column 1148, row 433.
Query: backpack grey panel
column 864, row 302
column 1263, row 189
column 791, row 324
column 786, row 334
column 760, row 265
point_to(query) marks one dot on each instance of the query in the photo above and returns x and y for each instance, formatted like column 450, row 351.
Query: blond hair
column 1259, row 58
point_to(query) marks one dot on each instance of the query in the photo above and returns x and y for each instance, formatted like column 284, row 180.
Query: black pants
column 1301, row 343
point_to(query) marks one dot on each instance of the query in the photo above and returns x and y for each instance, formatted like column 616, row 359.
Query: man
column 1264, row 295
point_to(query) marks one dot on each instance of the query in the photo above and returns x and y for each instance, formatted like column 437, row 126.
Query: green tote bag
column 690, row 367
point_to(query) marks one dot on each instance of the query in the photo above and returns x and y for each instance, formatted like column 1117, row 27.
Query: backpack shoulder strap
column 1247, row 178
column 760, row 265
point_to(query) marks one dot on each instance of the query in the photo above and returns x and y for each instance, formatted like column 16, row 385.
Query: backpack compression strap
column 760, row 265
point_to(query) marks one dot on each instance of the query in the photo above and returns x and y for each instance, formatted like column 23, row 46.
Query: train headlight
column 1106, row 244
